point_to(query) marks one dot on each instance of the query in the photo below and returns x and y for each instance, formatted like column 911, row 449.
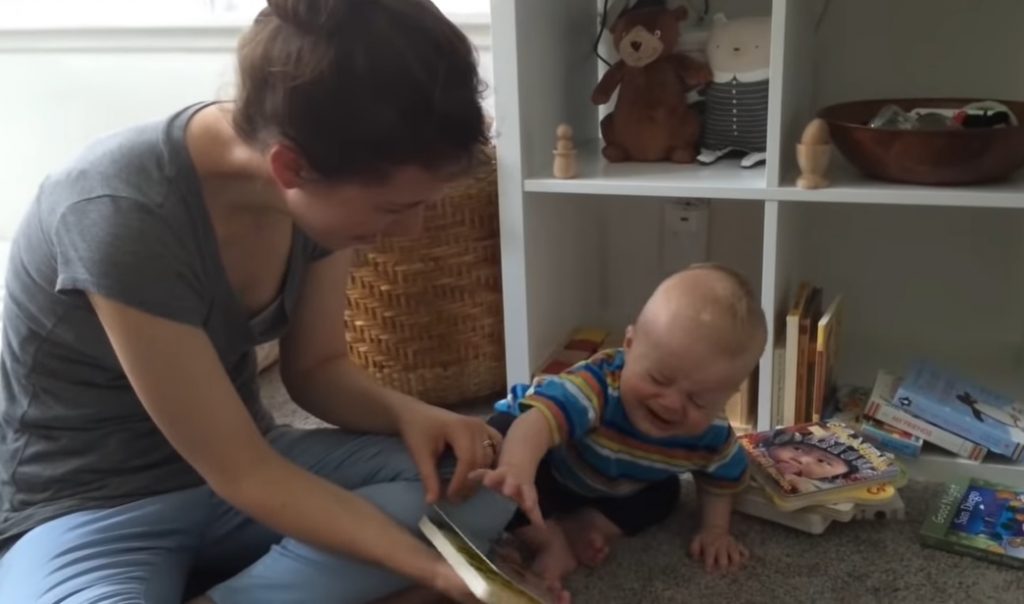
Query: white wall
column 633, row 234
column 63, row 87
column 82, row 13
column 972, row 49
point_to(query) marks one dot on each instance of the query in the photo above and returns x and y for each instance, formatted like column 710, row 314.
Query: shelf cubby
column 926, row 271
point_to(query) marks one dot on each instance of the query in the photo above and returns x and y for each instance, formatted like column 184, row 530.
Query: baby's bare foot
column 550, row 557
column 553, row 559
column 590, row 535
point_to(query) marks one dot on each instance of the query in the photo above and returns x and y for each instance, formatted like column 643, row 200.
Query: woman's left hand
column 428, row 430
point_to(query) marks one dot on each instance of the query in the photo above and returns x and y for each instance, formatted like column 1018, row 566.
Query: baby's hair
column 740, row 301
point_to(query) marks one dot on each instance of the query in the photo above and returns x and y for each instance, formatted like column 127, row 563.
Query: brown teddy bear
column 652, row 120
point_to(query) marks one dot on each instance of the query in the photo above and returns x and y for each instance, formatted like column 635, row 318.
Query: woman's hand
column 428, row 430
column 448, row 582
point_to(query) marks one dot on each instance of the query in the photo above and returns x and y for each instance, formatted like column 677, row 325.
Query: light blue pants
column 145, row 551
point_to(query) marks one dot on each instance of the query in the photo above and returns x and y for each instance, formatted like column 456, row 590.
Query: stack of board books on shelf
column 810, row 475
column 805, row 356
column 937, row 405
column 902, row 412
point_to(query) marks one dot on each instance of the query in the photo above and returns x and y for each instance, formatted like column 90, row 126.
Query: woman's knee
column 355, row 461
column 295, row 572
column 482, row 517
column 349, row 460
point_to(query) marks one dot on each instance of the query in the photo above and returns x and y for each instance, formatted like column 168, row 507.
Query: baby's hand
column 719, row 549
column 517, row 485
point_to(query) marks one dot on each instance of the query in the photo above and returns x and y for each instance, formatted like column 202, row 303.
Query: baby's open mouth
column 659, row 418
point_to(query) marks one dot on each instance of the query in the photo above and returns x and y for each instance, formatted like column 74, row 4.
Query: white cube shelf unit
column 925, row 271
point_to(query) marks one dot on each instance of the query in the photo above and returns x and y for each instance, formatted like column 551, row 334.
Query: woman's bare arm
column 322, row 380
column 179, row 378
column 315, row 366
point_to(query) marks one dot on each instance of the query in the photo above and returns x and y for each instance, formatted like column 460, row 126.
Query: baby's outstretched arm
column 528, row 439
column 714, row 542
column 555, row 409
column 716, row 511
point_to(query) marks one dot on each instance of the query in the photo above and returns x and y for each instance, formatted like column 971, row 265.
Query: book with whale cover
column 952, row 401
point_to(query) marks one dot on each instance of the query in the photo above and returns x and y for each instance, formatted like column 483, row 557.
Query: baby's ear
column 627, row 342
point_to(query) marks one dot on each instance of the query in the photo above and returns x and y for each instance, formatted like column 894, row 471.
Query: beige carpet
column 862, row 561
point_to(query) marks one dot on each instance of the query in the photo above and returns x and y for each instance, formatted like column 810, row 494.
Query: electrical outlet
column 684, row 233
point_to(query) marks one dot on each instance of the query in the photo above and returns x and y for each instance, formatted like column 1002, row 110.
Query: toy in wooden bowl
column 950, row 154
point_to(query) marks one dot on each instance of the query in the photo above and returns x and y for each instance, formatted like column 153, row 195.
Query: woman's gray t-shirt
column 126, row 220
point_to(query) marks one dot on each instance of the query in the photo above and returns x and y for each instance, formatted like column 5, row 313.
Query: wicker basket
column 424, row 313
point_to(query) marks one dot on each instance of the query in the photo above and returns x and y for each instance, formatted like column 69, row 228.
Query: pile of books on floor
column 810, row 475
column 933, row 404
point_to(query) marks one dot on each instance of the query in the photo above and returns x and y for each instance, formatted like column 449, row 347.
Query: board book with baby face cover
column 818, row 463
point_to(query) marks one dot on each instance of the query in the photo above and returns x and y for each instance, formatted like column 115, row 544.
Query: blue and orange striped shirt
column 599, row 453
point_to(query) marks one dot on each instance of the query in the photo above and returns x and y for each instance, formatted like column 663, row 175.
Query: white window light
column 155, row 13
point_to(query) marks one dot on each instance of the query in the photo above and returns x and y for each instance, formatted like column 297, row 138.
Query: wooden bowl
column 926, row 157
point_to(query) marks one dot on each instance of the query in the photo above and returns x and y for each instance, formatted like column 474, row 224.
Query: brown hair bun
column 361, row 87
column 317, row 17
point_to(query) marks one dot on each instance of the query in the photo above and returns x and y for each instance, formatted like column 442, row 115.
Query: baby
column 598, row 450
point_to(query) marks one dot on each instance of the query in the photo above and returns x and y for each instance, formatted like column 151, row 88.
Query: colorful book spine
column 582, row 344
column 937, row 436
column 792, row 344
column 778, row 385
column 890, row 438
column 964, row 408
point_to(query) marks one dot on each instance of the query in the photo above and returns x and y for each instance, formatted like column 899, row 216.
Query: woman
column 134, row 450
